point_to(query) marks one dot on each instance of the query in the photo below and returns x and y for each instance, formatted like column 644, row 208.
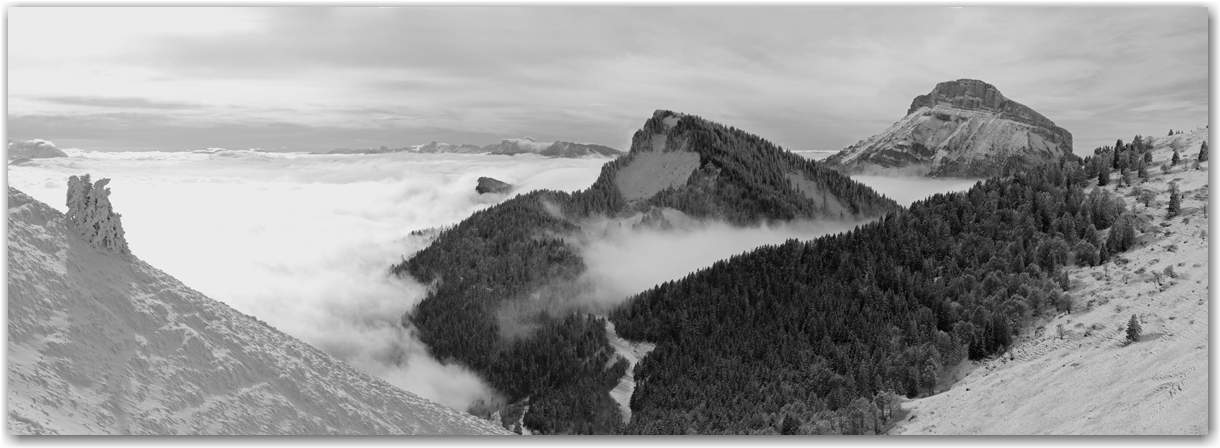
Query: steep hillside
column 100, row 342
column 1075, row 373
column 963, row 128
column 511, row 270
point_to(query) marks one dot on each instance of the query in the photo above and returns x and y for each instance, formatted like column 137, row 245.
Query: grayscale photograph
column 634, row 219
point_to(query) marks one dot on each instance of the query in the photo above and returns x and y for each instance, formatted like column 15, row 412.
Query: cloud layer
column 305, row 242
column 805, row 77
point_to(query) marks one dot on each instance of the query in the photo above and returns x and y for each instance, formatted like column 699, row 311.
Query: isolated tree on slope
column 1175, row 201
column 1133, row 329
column 1176, row 158
column 1203, row 152
column 90, row 213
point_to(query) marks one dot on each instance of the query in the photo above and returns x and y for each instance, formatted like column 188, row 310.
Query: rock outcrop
column 963, row 128
column 489, row 185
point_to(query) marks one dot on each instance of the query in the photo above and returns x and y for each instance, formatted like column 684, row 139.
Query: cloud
column 803, row 77
column 121, row 103
column 305, row 242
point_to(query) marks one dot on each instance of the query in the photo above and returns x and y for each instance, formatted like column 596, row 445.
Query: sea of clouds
column 304, row 241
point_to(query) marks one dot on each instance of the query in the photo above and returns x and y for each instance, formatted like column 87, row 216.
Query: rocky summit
column 963, row 128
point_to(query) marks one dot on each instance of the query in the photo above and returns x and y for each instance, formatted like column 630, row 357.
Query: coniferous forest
column 805, row 337
column 814, row 335
column 491, row 263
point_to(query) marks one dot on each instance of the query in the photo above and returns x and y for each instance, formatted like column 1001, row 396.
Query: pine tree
column 1133, row 329
column 1203, row 152
column 1148, row 156
column 1175, row 201
column 1142, row 170
column 1171, row 132
column 1176, row 158
column 1122, row 235
column 1103, row 176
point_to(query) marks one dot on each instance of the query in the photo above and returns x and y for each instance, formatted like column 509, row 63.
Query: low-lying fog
column 304, row 242
column 907, row 190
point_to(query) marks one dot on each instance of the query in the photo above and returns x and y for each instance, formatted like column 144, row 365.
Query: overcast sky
column 807, row 78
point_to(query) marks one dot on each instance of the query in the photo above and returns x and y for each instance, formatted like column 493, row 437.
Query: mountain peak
column 973, row 94
column 962, row 128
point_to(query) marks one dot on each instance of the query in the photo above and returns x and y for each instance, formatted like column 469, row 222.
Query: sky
column 805, row 77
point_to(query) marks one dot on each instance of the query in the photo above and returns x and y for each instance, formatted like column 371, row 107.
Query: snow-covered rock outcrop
column 105, row 344
column 963, row 128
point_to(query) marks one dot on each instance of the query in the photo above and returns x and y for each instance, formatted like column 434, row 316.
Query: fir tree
column 1203, row 152
column 1175, row 201
column 1176, row 158
column 1122, row 235
column 1133, row 329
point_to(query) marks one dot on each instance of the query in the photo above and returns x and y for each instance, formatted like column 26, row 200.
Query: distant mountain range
column 509, row 146
column 33, row 149
column 963, row 128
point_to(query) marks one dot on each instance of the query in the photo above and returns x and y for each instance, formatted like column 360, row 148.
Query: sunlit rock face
column 963, row 128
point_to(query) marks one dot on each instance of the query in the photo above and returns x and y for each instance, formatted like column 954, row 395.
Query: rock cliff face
column 963, row 128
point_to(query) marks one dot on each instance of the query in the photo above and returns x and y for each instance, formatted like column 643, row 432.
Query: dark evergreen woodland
column 808, row 336
column 499, row 257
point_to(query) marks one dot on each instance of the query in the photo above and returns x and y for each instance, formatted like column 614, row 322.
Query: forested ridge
column 742, row 178
column 815, row 337
column 505, row 253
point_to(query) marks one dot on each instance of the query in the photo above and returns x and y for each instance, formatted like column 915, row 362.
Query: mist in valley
column 304, row 242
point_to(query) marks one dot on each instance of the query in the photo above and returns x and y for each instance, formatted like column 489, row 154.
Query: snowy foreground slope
column 103, row 344
column 1075, row 373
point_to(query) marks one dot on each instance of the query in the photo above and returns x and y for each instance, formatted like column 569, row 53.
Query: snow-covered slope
column 1075, row 373
column 963, row 128
column 633, row 352
column 103, row 343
